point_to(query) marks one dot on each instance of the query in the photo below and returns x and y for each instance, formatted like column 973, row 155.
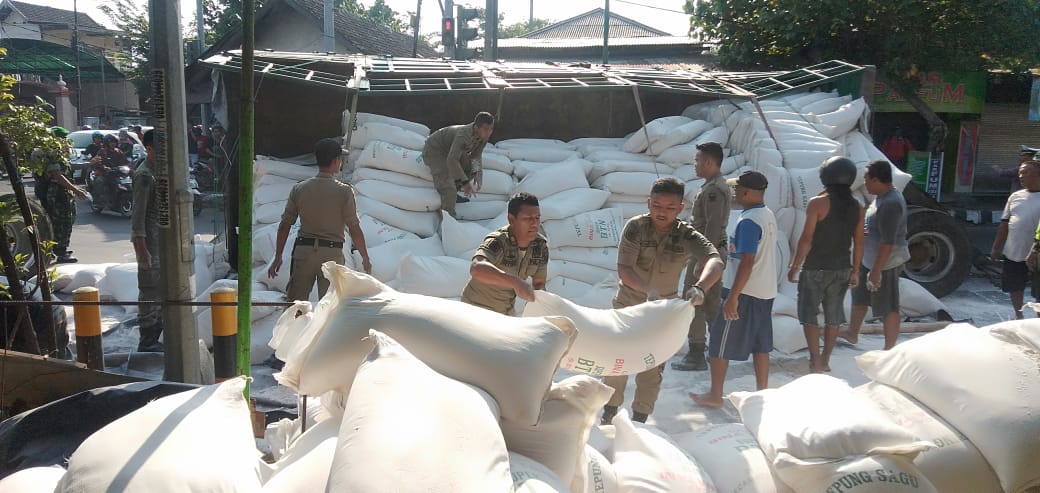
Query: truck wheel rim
column 927, row 253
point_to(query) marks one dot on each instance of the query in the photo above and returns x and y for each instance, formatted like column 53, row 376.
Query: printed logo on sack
column 849, row 481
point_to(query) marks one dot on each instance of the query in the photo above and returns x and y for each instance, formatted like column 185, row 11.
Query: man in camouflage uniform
column 144, row 233
column 453, row 155
column 654, row 250
column 508, row 257
column 710, row 217
column 58, row 198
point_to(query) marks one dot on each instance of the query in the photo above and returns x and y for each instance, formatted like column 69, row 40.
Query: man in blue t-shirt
column 745, row 325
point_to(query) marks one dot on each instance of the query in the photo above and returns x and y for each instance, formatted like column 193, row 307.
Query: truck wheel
column 18, row 238
column 940, row 254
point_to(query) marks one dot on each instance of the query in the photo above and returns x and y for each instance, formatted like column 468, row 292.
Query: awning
column 50, row 60
column 386, row 76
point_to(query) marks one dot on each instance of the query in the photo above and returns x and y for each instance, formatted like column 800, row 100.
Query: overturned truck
column 301, row 98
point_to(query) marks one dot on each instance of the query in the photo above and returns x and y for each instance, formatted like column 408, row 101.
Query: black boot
column 639, row 417
column 608, row 415
column 694, row 360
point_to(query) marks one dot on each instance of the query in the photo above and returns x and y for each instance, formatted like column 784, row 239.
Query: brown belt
column 318, row 242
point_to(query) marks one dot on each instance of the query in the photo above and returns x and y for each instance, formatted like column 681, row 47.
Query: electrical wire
column 653, row 7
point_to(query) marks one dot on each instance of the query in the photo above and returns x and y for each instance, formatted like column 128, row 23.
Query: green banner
column 917, row 165
column 945, row 92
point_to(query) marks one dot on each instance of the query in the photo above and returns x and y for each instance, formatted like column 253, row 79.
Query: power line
column 653, row 7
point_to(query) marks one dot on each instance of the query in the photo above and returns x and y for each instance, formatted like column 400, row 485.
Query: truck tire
column 940, row 253
column 20, row 243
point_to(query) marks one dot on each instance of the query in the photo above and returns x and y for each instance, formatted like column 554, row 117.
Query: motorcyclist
column 109, row 158
column 96, row 144
column 126, row 146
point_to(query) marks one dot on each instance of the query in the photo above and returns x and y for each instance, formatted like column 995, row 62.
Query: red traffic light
column 448, row 25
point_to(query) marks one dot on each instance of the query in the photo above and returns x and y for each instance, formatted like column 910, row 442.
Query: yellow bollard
column 88, row 328
column 225, row 334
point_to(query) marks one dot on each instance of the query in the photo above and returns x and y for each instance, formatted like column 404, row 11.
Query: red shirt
column 896, row 148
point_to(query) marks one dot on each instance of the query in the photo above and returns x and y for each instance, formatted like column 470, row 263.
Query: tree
column 130, row 17
column 224, row 16
column 522, row 28
column 903, row 38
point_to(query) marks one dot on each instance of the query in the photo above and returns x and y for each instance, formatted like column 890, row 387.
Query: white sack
column 156, row 447
column 480, row 210
column 654, row 131
column 731, row 457
column 530, row 476
column 805, row 159
column 788, row 336
column 681, row 135
column 558, row 440
column 845, row 118
column 390, row 134
column 511, row 358
column 818, row 416
column 599, row 472
column 421, row 223
column 407, row 198
column 859, row 474
column 387, row 257
column 784, row 305
column 524, row 143
column 497, row 182
column 991, row 394
column 306, row 463
column 826, row 105
column 377, row 232
column 390, row 157
column 601, row 168
column 778, row 193
column 270, row 166
column 272, row 193
column 954, row 465
column 718, row 135
column 495, row 161
column 760, row 156
column 678, row 155
column 442, row 276
column 457, row 432
column 363, row 118
column 646, row 462
column 391, row 177
column 732, row 163
column 600, row 228
column 618, row 341
column 805, row 184
column 269, row 213
column 120, row 284
column 458, row 237
column 33, row 480
column 564, row 287
column 685, row 173
column 916, row 301
column 569, row 203
column 617, row 155
column 542, row 154
column 603, row 257
column 523, row 168
column 627, row 182
column 600, row 295
column 543, row 183
column 582, row 272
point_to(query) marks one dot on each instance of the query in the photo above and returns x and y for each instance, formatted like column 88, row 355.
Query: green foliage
column 131, row 17
column 522, row 28
column 900, row 37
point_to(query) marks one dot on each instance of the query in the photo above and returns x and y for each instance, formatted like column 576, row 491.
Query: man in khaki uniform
column 654, row 250
column 710, row 216
column 508, row 257
column 453, row 155
column 326, row 208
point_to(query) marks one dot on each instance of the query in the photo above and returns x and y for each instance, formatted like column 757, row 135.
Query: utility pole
column 104, row 87
column 530, row 18
column 415, row 35
column 491, row 30
column 200, row 25
column 75, row 46
column 329, row 28
column 606, row 32
column 177, row 249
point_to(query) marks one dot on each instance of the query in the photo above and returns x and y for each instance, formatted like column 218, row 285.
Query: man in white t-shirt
column 1015, row 236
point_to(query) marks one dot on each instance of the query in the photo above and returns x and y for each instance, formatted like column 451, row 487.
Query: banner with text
column 967, row 152
column 945, row 92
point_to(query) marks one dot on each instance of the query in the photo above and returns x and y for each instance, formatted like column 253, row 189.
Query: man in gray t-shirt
column 884, row 253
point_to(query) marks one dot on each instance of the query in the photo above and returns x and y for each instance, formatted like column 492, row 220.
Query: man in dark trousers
column 454, row 157
column 144, row 233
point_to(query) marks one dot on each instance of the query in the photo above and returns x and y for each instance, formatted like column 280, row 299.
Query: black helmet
column 838, row 170
column 110, row 138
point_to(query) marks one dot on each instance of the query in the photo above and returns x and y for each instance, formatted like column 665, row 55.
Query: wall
column 118, row 95
column 292, row 32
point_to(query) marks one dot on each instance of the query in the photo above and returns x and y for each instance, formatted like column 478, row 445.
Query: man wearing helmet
column 108, row 158
column 95, row 146
column 833, row 221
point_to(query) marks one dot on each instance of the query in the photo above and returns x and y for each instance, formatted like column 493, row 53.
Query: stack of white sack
column 819, row 433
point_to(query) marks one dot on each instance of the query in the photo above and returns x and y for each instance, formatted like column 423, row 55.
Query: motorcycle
column 193, row 187
column 111, row 189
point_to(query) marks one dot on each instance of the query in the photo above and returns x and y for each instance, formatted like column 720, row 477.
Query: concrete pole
column 491, row 30
column 606, row 31
column 200, row 24
column 329, row 28
column 177, row 250
column 415, row 28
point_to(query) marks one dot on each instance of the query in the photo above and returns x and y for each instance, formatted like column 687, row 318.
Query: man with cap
column 58, row 192
column 710, row 217
column 653, row 252
column 745, row 326
column 454, row 156
column 325, row 207
column 508, row 257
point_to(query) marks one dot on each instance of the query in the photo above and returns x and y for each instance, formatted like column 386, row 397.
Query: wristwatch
column 699, row 289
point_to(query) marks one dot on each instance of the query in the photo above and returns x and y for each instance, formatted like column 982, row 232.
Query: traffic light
column 447, row 33
column 466, row 34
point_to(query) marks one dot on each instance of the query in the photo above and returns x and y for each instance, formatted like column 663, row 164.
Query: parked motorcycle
column 111, row 189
